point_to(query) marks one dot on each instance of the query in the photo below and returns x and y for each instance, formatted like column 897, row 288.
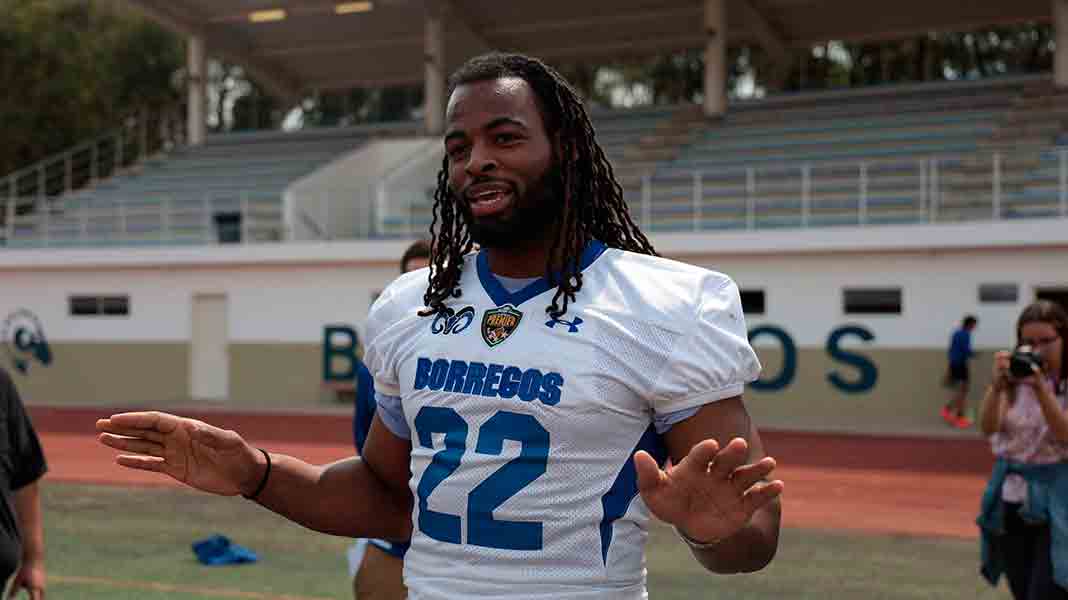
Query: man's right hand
column 202, row 456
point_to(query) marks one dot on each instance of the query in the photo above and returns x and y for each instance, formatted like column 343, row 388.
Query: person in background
column 1024, row 518
column 957, row 376
column 22, row 463
column 376, row 565
column 417, row 256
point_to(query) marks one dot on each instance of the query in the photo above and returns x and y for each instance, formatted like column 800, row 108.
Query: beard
column 532, row 216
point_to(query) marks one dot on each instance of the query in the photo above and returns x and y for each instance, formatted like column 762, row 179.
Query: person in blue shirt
column 377, row 566
column 957, row 377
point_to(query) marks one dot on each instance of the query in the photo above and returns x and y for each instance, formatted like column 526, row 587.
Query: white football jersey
column 523, row 427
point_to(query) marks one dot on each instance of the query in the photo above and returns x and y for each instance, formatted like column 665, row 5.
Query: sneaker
column 948, row 417
column 963, row 422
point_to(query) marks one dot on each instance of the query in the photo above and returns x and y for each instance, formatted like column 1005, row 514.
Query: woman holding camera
column 1024, row 518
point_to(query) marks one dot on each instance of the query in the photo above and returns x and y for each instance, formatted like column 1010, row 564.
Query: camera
column 1023, row 361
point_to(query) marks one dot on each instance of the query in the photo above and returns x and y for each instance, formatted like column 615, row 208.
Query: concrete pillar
column 1060, row 34
column 928, row 59
column 886, row 56
column 435, row 75
column 715, row 58
column 196, row 126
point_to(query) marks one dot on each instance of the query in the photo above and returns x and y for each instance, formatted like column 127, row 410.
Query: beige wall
column 108, row 375
column 276, row 375
column 906, row 398
column 262, row 376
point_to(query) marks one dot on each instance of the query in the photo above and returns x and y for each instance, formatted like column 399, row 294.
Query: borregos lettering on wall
column 866, row 373
column 339, row 345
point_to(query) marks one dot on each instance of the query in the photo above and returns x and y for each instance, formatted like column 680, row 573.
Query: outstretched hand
column 710, row 494
column 203, row 456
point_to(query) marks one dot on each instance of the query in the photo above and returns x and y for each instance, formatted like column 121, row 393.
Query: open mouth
column 489, row 199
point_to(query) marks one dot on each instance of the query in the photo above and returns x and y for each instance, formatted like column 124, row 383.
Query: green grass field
column 134, row 544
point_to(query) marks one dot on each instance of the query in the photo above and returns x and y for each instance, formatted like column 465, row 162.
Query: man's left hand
column 711, row 494
column 31, row 577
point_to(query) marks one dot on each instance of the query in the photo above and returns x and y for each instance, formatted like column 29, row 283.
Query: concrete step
column 650, row 154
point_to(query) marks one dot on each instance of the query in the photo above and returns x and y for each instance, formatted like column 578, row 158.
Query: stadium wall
column 329, row 197
column 876, row 373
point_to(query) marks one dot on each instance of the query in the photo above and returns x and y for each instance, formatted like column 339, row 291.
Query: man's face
column 502, row 170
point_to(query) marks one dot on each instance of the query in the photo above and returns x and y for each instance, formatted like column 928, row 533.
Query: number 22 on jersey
column 509, row 480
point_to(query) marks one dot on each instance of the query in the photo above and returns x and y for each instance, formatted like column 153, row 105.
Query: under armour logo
column 572, row 326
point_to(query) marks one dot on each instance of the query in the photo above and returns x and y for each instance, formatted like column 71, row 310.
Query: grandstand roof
column 313, row 47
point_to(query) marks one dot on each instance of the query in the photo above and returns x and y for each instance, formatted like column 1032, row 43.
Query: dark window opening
column 872, row 301
column 92, row 306
column 753, row 302
column 999, row 293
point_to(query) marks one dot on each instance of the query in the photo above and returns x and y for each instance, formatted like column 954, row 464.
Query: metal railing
column 974, row 187
column 47, row 222
column 135, row 139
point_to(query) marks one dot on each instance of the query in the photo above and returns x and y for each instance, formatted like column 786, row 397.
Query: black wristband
column 263, row 482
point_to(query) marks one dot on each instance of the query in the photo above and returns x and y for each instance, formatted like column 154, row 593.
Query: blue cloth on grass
column 219, row 550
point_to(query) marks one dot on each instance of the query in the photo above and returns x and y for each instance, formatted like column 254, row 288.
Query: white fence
column 975, row 187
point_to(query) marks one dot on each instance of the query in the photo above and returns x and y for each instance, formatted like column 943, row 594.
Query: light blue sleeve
column 391, row 412
column 663, row 423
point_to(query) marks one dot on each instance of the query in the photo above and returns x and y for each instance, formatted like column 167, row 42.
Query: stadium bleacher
column 195, row 195
column 891, row 154
column 822, row 159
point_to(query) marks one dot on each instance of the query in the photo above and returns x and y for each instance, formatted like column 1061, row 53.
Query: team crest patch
column 499, row 323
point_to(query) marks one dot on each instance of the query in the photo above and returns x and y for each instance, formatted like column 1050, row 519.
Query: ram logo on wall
column 24, row 340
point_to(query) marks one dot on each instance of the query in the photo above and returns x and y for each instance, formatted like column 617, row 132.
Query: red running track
column 879, row 484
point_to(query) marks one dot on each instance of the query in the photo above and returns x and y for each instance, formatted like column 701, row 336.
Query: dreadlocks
column 594, row 206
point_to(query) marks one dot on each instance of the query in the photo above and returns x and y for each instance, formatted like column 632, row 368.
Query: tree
column 987, row 52
column 72, row 70
column 361, row 105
